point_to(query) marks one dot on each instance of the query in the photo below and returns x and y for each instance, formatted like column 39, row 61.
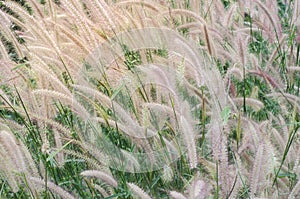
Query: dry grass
column 132, row 92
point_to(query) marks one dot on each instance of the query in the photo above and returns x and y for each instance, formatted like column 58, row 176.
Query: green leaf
column 225, row 114
column 54, row 153
column 116, row 92
column 18, row 66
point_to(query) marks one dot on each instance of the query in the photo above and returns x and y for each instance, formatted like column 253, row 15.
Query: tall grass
column 149, row 99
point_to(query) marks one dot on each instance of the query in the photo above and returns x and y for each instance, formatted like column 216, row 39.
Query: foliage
column 149, row 99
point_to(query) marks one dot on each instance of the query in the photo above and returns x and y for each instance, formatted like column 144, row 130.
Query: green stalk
column 238, row 130
column 293, row 131
column 203, row 117
column 297, row 54
column 244, row 90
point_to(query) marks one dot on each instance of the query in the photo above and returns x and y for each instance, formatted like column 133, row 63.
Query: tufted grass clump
column 149, row 99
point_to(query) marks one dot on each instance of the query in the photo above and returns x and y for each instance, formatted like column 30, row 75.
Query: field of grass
column 179, row 99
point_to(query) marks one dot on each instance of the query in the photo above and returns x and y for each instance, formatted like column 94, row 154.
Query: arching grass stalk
column 244, row 90
column 238, row 130
column 297, row 54
column 292, row 132
column 203, row 116
column 244, row 185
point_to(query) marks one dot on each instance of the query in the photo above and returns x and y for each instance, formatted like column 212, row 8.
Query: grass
column 154, row 99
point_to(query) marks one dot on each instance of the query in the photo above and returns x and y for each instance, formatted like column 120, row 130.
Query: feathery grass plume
column 9, row 77
column 257, row 168
column 189, row 138
column 271, row 10
column 167, row 174
column 220, row 157
column 257, row 173
column 11, row 126
column 141, row 13
column 76, row 11
column 252, row 129
column 192, row 59
column 103, row 192
column 121, row 159
column 45, row 141
column 241, row 47
column 228, row 19
column 94, row 164
column 30, row 23
column 184, row 12
column 177, row 195
column 53, row 187
column 279, row 139
column 209, row 44
column 37, row 8
column 145, row 4
column 60, row 157
column 11, row 160
column 100, row 10
column 107, row 178
column 78, row 108
column 262, row 169
column 159, row 78
column 286, row 97
column 295, row 192
column 59, row 35
column 198, row 189
column 241, row 173
column 296, row 166
column 274, row 54
column 293, row 69
column 3, row 52
column 186, row 126
column 7, row 33
column 131, row 161
column 234, row 72
column 272, row 81
column 283, row 126
column 211, row 83
column 193, row 27
column 138, row 191
column 61, row 129
column 8, row 175
column 9, row 144
column 209, row 166
column 100, row 155
column 165, row 112
column 62, row 44
column 16, row 161
column 296, row 12
column 253, row 103
column 262, row 16
column 73, row 38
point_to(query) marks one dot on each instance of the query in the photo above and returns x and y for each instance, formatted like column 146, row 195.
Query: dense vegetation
column 149, row 99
